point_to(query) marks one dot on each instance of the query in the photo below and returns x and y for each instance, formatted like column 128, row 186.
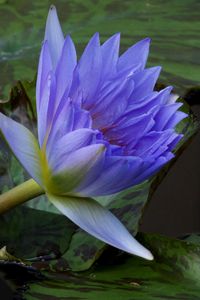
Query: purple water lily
column 101, row 129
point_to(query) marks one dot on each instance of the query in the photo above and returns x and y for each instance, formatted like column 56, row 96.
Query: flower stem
column 19, row 194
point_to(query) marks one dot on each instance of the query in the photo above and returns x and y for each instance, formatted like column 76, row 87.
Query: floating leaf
column 174, row 274
column 35, row 236
column 192, row 238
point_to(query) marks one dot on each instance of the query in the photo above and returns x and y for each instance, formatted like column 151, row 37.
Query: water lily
column 101, row 129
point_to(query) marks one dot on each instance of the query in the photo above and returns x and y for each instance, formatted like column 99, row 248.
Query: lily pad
column 174, row 274
column 35, row 236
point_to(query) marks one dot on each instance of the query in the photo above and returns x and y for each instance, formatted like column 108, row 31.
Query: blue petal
column 65, row 67
column 129, row 130
column 150, row 142
column 44, row 68
column 164, row 115
column 54, row 35
column 112, row 105
column 67, row 118
column 118, row 173
column 144, row 83
column 71, row 170
column 135, row 55
column 62, row 123
column 175, row 119
column 150, row 167
column 99, row 222
column 150, row 101
column 24, row 146
column 68, row 143
column 46, row 110
column 110, row 53
column 89, row 70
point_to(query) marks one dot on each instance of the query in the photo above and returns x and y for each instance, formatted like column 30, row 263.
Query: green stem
column 19, row 194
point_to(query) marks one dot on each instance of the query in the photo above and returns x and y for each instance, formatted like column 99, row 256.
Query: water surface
column 173, row 26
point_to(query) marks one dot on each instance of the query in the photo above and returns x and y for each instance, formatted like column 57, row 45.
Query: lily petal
column 137, row 54
column 65, row 67
column 70, row 170
column 23, row 144
column 54, row 35
column 44, row 68
column 70, row 142
column 99, row 222
column 118, row 173
column 110, row 54
column 144, row 83
column 89, row 70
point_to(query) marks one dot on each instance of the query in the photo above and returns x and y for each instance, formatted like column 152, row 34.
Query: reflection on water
column 173, row 26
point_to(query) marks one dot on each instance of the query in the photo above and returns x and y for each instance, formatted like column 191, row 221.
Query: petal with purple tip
column 99, row 222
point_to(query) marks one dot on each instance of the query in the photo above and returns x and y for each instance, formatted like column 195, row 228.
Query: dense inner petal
column 106, row 100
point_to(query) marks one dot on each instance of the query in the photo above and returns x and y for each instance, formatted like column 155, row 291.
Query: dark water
column 173, row 26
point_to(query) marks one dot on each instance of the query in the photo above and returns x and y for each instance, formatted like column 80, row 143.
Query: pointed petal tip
column 147, row 255
column 158, row 68
column 52, row 8
column 169, row 88
column 52, row 15
column 117, row 35
column 94, row 41
column 68, row 37
column 96, row 37
column 139, row 250
column 147, row 40
column 54, row 34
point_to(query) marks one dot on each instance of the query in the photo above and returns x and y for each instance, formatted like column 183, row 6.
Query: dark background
column 175, row 207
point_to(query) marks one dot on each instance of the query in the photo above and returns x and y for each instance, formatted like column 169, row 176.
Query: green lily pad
column 192, row 238
column 35, row 236
column 174, row 274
